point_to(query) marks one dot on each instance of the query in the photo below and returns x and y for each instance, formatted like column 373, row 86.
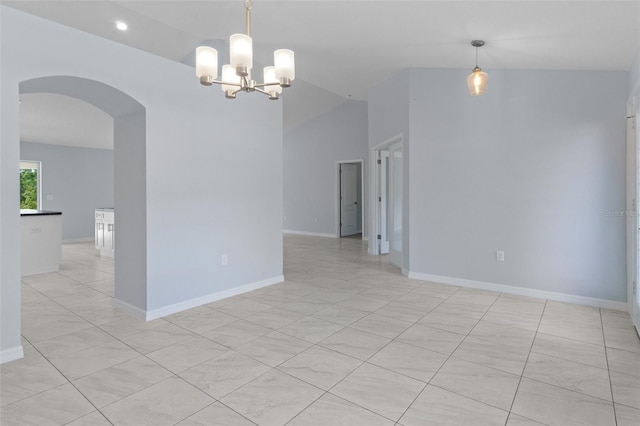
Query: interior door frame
column 337, row 194
column 374, row 188
column 632, row 225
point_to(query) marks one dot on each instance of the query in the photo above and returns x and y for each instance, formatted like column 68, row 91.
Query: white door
column 348, row 199
column 383, row 200
column 632, row 222
column 395, row 204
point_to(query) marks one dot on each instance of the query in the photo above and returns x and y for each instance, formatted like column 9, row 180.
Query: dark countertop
column 31, row 212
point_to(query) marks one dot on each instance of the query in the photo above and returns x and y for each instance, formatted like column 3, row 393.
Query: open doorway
column 388, row 211
column 349, row 206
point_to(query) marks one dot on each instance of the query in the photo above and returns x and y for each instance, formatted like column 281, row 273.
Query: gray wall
column 310, row 176
column 80, row 180
column 206, row 169
column 530, row 168
column 389, row 117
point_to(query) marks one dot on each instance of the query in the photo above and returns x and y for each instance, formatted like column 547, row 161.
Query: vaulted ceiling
column 345, row 47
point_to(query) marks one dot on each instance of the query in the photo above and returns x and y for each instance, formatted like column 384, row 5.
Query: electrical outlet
column 225, row 259
column 500, row 256
column 316, row 220
column 36, row 230
column 285, row 218
column 49, row 197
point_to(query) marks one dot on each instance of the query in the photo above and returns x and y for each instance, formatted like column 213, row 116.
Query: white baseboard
column 311, row 234
column 130, row 309
column 11, row 354
column 522, row 291
column 198, row 301
column 78, row 240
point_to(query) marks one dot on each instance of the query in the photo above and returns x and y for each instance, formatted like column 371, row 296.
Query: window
column 30, row 185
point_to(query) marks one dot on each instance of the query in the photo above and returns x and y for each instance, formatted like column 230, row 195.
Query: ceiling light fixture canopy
column 236, row 76
column 477, row 80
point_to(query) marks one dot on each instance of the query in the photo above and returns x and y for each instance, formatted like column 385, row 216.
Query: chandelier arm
column 262, row 91
column 226, row 82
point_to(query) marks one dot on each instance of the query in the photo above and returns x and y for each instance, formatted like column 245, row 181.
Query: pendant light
column 477, row 80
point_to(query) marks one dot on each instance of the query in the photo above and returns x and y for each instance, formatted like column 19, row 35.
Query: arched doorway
column 129, row 120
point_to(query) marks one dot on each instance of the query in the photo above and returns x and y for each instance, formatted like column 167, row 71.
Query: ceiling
column 345, row 47
column 63, row 120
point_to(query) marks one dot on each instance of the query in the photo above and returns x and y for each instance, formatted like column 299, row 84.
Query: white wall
column 310, row 175
column 209, row 162
column 531, row 168
column 79, row 179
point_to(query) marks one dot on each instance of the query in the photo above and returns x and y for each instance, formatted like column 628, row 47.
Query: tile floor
column 346, row 340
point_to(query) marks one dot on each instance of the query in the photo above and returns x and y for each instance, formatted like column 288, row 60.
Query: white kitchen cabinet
column 105, row 239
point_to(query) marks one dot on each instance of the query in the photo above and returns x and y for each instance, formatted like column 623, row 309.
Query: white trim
column 522, row 291
column 311, row 234
column 134, row 311
column 195, row 302
column 11, row 354
column 203, row 300
column 78, row 240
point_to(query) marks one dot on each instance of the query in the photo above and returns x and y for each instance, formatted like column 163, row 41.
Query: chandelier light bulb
column 284, row 61
column 241, row 53
column 206, row 64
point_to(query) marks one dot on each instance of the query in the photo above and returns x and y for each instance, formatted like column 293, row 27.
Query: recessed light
column 122, row 26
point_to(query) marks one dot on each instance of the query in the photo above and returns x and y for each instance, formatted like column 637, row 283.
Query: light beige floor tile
column 272, row 399
column 216, row 414
column 243, row 308
column 505, row 358
column 380, row 325
column 92, row 419
column 475, row 312
column 334, row 411
column 417, row 363
column 157, row 338
column 320, row 367
column 117, row 382
column 382, row 391
column 236, row 333
column 164, row 403
column 516, row 420
column 503, row 335
column 355, row 343
column 274, row 318
column 23, row 382
column 519, row 320
column 224, row 374
column 626, row 389
column 449, row 322
column 624, row 361
column 570, row 375
column 437, row 406
column 274, row 348
column 403, row 311
column 431, row 338
column 53, row 407
column 87, row 361
column 627, row 416
column 553, row 405
column 73, row 342
column 570, row 330
column 128, row 326
column 187, row 353
column 484, row 384
column 572, row 350
column 622, row 338
column 311, row 329
column 340, row 315
column 202, row 321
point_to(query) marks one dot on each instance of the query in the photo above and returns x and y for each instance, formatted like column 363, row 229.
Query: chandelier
column 236, row 76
